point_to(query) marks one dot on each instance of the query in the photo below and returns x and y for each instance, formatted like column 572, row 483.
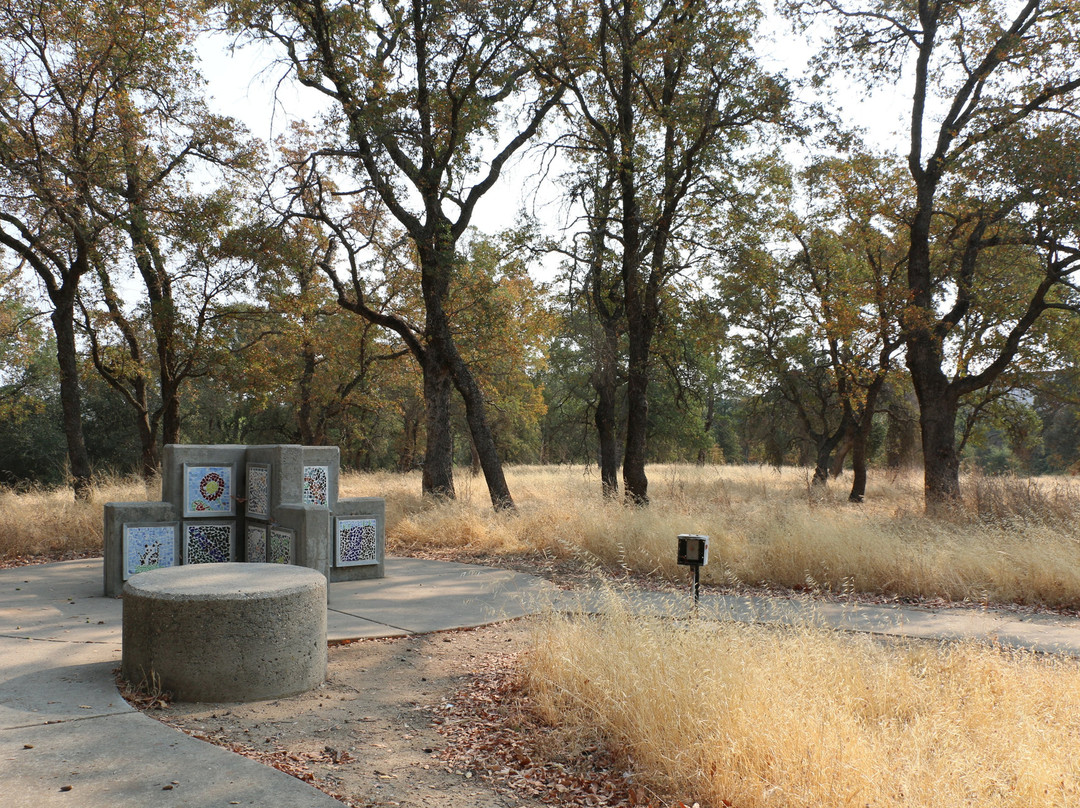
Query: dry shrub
column 1015, row 540
column 767, row 526
column 40, row 521
column 757, row 717
column 910, row 556
column 1053, row 500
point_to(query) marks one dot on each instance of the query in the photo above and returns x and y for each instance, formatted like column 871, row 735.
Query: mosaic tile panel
column 355, row 541
column 148, row 547
column 208, row 542
column 281, row 544
column 316, row 485
column 258, row 491
column 255, row 543
column 208, row 491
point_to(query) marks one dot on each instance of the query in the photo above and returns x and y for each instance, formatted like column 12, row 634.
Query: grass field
column 733, row 715
column 1014, row 540
column 753, row 717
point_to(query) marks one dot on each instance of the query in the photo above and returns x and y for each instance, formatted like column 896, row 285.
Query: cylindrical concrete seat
column 226, row 632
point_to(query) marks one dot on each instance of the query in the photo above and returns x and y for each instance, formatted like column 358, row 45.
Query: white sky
column 243, row 84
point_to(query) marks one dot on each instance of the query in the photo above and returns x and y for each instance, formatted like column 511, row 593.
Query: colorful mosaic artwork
column 355, row 541
column 258, row 491
column 208, row 491
column 255, row 543
column 281, row 541
column 208, row 543
column 148, row 547
column 316, row 485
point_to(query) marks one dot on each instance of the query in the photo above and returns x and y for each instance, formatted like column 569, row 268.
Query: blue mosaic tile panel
column 281, row 544
column 255, row 543
column 148, row 547
column 208, row 491
column 258, row 491
column 316, row 485
column 208, row 542
column 355, row 541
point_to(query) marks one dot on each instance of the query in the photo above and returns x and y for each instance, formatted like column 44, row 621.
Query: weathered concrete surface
column 59, row 648
column 117, row 514
column 361, row 506
column 226, row 632
column 60, row 642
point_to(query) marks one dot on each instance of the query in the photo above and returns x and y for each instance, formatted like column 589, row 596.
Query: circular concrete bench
column 226, row 632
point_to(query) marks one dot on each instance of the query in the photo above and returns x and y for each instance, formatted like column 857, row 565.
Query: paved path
column 67, row 738
column 63, row 723
column 1037, row 632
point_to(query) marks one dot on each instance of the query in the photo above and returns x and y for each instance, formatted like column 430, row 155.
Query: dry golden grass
column 750, row 716
column 747, row 716
column 39, row 521
column 1015, row 540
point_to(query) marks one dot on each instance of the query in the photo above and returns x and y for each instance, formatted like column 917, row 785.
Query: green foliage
column 760, row 306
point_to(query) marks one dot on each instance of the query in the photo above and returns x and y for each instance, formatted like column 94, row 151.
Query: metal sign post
column 694, row 552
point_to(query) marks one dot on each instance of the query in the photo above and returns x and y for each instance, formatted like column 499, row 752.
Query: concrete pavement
column 68, row 738
column 1044, row 633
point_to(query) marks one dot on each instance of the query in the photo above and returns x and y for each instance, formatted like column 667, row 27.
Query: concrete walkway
column 1044, row 633
column 67, row 738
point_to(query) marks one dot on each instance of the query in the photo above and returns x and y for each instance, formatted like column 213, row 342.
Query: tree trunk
column 474, row 459
column 635, row 483
column 825, row 446
column 858, row 468
column 710, row 414
column 821, row 464
column 937, row 400
column 900, row 439
column 147, row 429
column 438, row 474
column 303, row 413
column 603, row 381
column 63, row 320
column 482, row 437
column 941, row 461
column 170, row 415
column 860, row 440
column 148, row 460
column 843, row 450
column 938, row 405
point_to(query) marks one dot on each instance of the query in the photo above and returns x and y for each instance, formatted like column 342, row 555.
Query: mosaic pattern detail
column 148, row 547
column 255, row 543
column 316, row 485
column 281, row 542
column 208, row 491
column 208, row 543
column 355, row 541
column 258, row 491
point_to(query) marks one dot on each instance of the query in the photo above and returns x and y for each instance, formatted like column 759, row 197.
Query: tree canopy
column 734, row 274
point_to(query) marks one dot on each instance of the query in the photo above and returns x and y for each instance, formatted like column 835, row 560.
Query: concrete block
column 226, row 632
column 312, row 527
column 329, row 458
column 175, row 456
column 117, row 514
column 360, row 506
column 286, row 463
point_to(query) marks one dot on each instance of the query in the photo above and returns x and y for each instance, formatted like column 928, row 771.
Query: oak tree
column 671, row 91
column 417, row 91
column 61, row 67
column 993, row 90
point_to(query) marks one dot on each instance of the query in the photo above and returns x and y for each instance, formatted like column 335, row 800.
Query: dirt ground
column 433, row 720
